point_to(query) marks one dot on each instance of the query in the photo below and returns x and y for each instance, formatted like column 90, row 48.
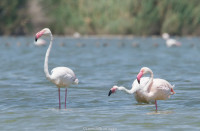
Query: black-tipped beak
column 110, row 92
column 138, row 81
column 36, row 39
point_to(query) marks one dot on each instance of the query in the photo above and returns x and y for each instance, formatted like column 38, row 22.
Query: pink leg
column 59, row 97
column 156, row 105
column 65, row 97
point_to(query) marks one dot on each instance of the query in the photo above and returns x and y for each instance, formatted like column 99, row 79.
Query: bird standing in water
column 147, row 89
column 60, row 76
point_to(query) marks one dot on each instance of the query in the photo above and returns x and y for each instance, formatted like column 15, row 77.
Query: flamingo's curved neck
column 126, row 90
column 148, row 85
column 46, row 71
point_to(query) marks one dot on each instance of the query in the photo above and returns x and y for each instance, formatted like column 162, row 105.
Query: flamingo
column 147, row 89
column 60, row 76
column 76, row 35
column 170, row 42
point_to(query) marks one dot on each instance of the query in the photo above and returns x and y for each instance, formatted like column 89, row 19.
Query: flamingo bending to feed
column 170, row 42
column 60, row 76
column 147, row 89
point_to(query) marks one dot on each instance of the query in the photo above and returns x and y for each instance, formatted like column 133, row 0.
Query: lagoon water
column 28, row 101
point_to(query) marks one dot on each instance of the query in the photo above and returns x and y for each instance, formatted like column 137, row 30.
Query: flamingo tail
column 172, row 90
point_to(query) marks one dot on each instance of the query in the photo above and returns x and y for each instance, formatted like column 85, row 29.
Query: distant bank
column 90, row 17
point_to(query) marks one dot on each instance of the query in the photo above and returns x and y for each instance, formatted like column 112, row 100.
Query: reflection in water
column 61, row 110
column 105, row 44
column 155, row 44
column 62, row 44
column 159, row 112
column 80, row 45
column 135, row 45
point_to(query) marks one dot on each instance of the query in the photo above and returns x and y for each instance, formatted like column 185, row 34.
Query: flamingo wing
column 161, row 89
column 70, row 77
column 63, row 76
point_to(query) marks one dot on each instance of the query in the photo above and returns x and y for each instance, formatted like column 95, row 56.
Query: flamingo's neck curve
column 46, row 71
column 121, row 88
column 150, row 82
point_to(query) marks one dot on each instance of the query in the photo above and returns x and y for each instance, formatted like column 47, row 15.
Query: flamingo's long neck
column 149, row 82
column 46, row 71
column 126, row 90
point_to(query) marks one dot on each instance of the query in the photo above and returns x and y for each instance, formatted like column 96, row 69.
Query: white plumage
column 63, row 76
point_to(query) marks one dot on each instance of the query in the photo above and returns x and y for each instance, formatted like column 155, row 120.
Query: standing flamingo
column 170, row 42
column 60, row 76
column 148, row 89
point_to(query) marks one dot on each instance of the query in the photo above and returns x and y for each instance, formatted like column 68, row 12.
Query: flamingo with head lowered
column 60, row 76
column 147, row 89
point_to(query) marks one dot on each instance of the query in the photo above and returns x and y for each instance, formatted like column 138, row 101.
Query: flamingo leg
column 156, row 105
column 59, row 97
column 65, row 97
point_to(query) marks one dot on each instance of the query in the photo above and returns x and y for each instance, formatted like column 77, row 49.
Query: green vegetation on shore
column 135, row 17
column 13, row 17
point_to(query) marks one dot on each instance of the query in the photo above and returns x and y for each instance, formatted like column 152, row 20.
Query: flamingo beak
column 110, row 92
column 36, row 38
column 138, row 80
column 139, row 76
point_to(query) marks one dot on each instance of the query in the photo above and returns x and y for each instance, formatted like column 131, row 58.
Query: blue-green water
column 28, row 101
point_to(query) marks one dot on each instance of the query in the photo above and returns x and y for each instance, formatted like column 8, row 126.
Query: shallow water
column 28, row 101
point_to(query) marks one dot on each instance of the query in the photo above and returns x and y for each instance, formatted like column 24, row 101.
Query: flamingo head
column 143, row 71
column 45, row 31
column 76, row 81
column 113, row 90
column 165, row 36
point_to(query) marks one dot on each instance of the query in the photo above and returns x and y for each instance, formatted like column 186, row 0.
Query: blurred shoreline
column 102, row 36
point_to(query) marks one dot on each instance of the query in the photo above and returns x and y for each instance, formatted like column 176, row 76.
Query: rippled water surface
column 28, row 101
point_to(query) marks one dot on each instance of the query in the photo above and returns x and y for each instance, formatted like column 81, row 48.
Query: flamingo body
column 159, row 90
column 63, row 77
column 169, row 41
column 172, row 42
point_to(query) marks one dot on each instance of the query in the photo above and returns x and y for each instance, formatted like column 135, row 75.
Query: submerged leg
column 156, row 105
column 59, row 98
column 65, row 97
